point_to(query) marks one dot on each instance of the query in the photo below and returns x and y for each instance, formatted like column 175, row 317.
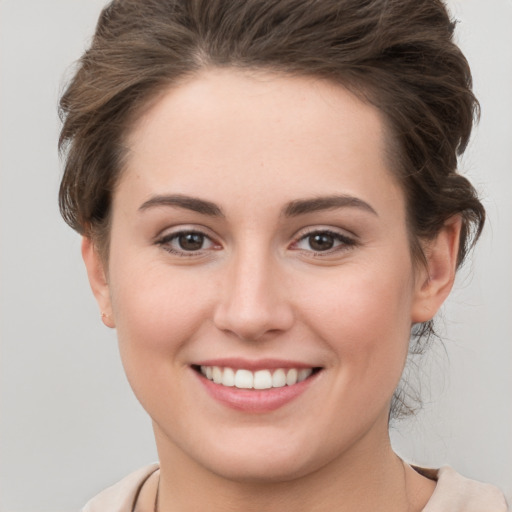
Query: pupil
column 321, row 242
column 191, row 241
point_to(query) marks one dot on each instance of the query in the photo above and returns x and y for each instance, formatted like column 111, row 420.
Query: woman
column 269, row 202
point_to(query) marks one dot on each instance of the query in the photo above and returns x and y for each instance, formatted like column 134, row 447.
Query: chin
column 264, row 458
column 261, row 468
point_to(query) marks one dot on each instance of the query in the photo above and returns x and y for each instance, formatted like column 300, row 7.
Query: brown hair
column 398, row 55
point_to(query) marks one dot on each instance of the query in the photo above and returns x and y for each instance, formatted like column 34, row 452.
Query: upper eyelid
column 166, row 240
column 169, row 237
column 309, row 230
column 345, row 241
column 173, row 231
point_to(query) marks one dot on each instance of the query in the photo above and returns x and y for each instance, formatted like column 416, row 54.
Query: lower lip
column 255, row 400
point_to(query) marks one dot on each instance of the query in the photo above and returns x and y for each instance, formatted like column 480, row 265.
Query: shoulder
column 122, row 496
column 455, row 493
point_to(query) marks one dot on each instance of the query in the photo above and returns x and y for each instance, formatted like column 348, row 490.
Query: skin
column 252, row 144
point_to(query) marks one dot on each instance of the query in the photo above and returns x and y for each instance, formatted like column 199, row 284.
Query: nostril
column 255, row 323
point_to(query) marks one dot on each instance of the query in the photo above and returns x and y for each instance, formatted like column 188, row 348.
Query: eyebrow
column 303, row 206
column 181, row 201
column 292, row 209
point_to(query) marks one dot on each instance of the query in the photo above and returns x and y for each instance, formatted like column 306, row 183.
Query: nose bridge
column 254, row 299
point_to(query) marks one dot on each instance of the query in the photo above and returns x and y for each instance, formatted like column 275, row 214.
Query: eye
column 190, row 241
column 323, row 241
column 187, row 243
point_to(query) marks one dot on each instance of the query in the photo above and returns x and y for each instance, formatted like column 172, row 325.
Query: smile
column 260, row 379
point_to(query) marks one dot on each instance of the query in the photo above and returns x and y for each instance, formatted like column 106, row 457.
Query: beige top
column 453, row 493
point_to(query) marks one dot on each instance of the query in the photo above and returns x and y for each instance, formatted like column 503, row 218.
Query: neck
column 370, row 477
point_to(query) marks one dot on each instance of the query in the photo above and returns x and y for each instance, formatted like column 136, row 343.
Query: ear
column 98, row 280
column 436, row 280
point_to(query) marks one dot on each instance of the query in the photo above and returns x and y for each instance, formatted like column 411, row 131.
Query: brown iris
column 191, row 241
column 321, row 241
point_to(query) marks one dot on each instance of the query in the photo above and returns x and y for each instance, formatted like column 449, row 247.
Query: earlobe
column 436, row 280
column 98, row 280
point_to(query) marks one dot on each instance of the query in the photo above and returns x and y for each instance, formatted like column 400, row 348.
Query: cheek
column 364, row 317
column 158, row 314
column 156, row 311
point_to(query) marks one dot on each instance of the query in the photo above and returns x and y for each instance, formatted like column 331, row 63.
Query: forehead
column 259, row 132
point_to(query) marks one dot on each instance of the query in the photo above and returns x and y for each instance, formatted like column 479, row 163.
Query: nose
column 254, row 299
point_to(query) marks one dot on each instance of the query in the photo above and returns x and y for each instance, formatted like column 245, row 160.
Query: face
column 260, row 275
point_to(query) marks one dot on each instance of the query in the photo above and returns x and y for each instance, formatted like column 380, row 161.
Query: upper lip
column 254, row 365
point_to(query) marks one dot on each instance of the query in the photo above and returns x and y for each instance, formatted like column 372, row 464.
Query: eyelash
column 344, row 243
column 166, row 240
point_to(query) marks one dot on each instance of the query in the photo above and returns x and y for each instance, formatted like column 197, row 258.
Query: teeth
column 217, row 375
column 244, row 379
column 279, row 379
column 303, row 374
column 228, row 377
column 291, row 377
column 261, row 379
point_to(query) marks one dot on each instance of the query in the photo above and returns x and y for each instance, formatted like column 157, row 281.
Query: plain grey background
column 69, row 425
